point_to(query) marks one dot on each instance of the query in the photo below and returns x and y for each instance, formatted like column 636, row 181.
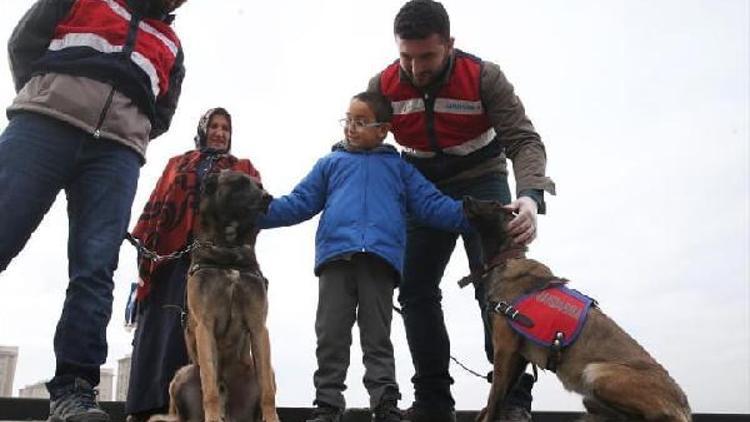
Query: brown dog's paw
column 163, row 418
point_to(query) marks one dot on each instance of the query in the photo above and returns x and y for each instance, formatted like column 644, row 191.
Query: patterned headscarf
column 200, row 137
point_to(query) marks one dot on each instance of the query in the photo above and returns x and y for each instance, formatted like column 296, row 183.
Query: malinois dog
column 618, row 379
column 230, row 378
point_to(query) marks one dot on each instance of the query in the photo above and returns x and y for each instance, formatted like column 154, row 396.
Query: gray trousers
column 358, row 288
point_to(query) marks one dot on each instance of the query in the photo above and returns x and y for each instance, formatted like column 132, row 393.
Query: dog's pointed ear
column 210, row 183
column 480, row 208
column 265, row 201
column 469, row 206
column 472, row 207
column 265, row 197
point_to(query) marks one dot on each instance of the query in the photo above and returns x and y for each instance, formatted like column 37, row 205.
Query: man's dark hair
column 419, row 19
column 379, row 104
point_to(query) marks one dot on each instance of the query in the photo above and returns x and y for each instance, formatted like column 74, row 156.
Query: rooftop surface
column 16, row 409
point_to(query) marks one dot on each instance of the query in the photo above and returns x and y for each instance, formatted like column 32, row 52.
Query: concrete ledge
column 15, row 409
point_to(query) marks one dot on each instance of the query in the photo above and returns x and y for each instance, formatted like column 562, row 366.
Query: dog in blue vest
column 536, row 318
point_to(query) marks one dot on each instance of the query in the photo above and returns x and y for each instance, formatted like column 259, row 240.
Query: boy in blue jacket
column 365, row 191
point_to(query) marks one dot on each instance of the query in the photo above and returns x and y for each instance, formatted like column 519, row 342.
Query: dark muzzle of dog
column 231, row 203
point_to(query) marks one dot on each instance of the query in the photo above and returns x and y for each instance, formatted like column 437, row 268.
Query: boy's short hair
column 379, row 104
column 419, row 19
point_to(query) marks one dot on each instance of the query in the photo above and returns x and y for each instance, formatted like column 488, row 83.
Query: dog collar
column 243, row 269
column 497, row 261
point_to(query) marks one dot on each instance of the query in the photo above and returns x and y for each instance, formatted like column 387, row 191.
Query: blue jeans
column 427, row 253
column 39, row 156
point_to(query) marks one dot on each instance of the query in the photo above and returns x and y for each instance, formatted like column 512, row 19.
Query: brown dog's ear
column 476, row 208
column 210, row 183
column 470, row 207
column 265, row 201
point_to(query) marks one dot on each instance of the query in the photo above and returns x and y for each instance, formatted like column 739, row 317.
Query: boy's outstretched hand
column 523, row 226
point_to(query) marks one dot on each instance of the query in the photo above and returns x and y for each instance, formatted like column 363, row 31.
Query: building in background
column 110, row 388
column 106, row 384
column 34, row 391
column 8, row 359
column 123, row 377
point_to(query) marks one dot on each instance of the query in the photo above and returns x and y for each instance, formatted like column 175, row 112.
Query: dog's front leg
column 505, row 361
column 207, row 364
column 261, row 347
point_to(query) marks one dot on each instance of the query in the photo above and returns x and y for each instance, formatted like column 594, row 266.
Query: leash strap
column 511, row 313
column 487, row 377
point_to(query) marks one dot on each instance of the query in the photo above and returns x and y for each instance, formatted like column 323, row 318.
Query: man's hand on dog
column 523, row 227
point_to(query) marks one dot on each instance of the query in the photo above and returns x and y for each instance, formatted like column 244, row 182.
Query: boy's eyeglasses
column 357, row 124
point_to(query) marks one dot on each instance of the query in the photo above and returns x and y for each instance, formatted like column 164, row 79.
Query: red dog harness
column 552, row 317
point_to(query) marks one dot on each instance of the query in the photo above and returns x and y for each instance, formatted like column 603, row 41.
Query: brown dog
column 231, row 377
column 618, row 379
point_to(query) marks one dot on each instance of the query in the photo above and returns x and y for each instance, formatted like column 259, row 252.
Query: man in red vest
column 96, row 80
column 457, row 118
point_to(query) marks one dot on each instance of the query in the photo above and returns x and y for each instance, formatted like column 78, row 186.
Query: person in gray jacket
column 96, row 80
column 458, row 118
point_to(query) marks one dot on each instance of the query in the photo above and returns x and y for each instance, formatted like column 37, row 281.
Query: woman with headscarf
column 166, row 226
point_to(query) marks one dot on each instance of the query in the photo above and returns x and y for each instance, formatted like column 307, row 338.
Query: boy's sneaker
column 75, row 402
column 386, row 411
column 324, row 413
column 422, row 414
column 514, row 414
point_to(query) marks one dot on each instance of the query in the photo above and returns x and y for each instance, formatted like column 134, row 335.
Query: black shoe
column 419, row 413
column 386, row 411
column 75, row 402
column 324, row 413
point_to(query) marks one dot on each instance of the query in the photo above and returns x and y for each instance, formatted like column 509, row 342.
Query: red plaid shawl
column 168, row 217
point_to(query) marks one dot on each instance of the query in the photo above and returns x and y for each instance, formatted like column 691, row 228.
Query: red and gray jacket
column 467, row 122
column 117, row 42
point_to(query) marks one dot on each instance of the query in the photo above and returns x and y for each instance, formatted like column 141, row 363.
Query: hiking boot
column 386, row 411
column 75, row 402
column 513, row 414
column 324, row 413
column 423, row 414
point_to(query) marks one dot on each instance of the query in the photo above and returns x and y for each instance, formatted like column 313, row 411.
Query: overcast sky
column 642, row 105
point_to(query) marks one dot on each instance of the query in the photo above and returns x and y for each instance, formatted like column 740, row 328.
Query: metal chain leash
column 147, row 253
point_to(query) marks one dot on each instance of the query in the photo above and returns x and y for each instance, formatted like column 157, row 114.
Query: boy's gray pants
column 358, row 287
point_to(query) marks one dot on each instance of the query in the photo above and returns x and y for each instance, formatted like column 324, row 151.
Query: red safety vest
column 102, row 26
column 456, row 112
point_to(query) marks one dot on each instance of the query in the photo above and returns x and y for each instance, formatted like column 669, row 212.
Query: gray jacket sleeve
column 374, row 84
column 32, row 36
column 522, row 143
column 167, row 104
